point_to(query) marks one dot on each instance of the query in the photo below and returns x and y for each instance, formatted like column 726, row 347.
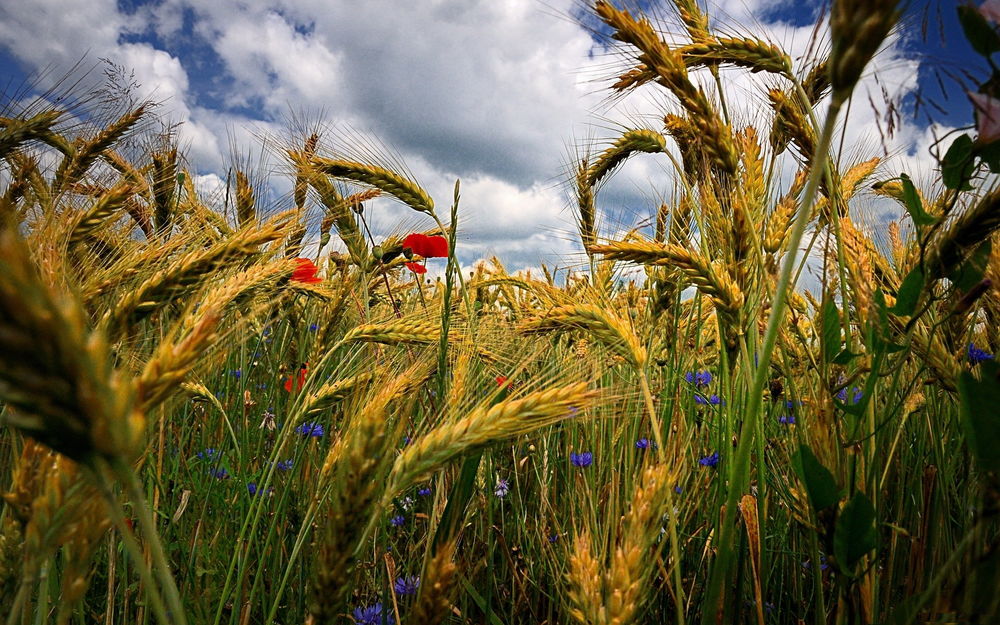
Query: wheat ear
column 403, row 189
column 485, row 426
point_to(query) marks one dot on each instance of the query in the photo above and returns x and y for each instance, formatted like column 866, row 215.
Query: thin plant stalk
column 738, row 469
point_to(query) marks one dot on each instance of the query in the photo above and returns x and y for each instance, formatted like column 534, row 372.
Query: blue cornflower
column 310, row 428
column 371, row 615
column 713, row 400
column 219, row 473
column 285, row 465
column 236, row 373
column 583, row 459
column 977, row 355
column 642, row 443
column 792, row 404
column 553, row 538
column 502, row 488
column 698, row 378
column 406, row 585
column 856, row 396
column 424, row 491
column 678, row 490
column 208, row 454
column 710, row 461
column 822, row 563
column 253, row 490
column 786, row 419
column 313, row 327
column 407, row 440
column 398, row 520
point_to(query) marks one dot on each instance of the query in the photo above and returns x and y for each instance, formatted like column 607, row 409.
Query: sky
column 502, row 94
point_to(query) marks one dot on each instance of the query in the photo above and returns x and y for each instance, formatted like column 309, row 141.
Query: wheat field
column 210, row 417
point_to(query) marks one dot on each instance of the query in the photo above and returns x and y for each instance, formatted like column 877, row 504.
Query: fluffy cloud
column 490, row 92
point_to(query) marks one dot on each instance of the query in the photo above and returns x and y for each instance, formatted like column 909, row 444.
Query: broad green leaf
column 854, row 534
column 970, row 273
column 990, row 154
column 844, row 357
column 909, row 293
column 956, row 168
column 914, row 206
column 831, row 328
column 980, row 415
column 820, row 485
column 980, row 33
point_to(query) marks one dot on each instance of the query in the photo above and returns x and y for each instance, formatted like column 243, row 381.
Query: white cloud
column 489, row 92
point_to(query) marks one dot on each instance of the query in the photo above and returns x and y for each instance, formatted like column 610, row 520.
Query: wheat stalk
column 189, row 271
column 403, row 189
column 631, row 141
column 395, row 333
column 433, row 603
column 605, row 326
column 858, row 29
column 245, row 200
column 754, row 54
column 75, row 164
column 106, row 205
column 669, row 66
column 485, row 426
column 55, row 376
column 16, row 132
column 585, row 581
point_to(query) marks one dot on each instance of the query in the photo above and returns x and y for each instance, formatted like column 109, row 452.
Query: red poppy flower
column 416, row 267
column 290, row 383
column 427, row 246
column 305, row 271
column 502, row 381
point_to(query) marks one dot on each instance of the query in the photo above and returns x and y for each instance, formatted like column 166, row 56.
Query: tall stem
column 675, row 550
column 738, row 471
column 131, row 545
column 125, row 473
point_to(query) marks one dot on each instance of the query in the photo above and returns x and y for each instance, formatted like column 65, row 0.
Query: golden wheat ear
column 14, row 133
column 55, row 373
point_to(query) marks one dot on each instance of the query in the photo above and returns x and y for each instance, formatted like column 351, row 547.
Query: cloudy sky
column 499, row 93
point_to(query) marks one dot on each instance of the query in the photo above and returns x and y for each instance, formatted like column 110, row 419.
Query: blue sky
column 502, row 94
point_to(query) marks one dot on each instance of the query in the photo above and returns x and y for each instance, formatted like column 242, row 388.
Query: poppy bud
column 408, row 253
column 377, row 252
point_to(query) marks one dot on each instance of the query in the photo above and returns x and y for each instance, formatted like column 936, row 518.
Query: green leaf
column 820, row 485
column 956, row 168
column 844, row 357
column 831, row 328
column 978, row 31
column 990, row 154
column 980, row 417
column 970, row 273
column 480, row 602
column 854, row 534
column 909, row 293
column 914, row 206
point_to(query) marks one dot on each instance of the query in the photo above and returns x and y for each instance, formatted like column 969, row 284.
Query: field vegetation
column 226, row 410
